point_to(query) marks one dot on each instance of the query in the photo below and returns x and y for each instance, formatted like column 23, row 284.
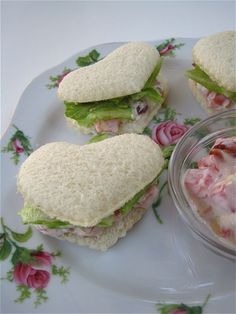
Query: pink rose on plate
column 25, row 274
column 21, row 273
column 16, row 144
column 167, row 49
column 178, row 312
column 168, row 133
column 61, row 76
column 42, row 258
column 38, row 278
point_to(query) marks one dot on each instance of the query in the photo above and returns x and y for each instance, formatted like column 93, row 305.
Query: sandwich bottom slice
column 137, row 114
column 211, row 102
column 106, row 233
column 99, row 238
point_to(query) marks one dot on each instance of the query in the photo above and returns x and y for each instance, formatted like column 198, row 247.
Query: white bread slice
column 203, row 100
column 127, row 126
column 216, row 55
column 123, row 72
column 84, row 184
column 108, row 239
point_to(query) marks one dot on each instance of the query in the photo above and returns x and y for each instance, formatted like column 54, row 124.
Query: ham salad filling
column 145, row 202
column 216, row 102
column 212, row 188
column 139, row 108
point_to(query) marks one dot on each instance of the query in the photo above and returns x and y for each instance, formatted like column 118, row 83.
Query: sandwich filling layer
column 217, row 98
column 109, row 116
column 57, row 228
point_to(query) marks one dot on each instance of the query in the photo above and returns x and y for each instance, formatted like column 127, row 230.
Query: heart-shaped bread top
column 123, row 72
column 216, row 55
column 84, row 184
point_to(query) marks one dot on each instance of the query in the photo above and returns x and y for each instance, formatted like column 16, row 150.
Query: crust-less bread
column 84, row 184
column 108, row 239
column 216, row 55
column 124, row 71
column 135, row 126
column 202, row 99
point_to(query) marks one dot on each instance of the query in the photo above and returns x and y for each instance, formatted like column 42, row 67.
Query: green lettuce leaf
column 33, row 215
column 150, row 82
column 98, row 138
column 52, row 224
column 30, row 213
column 150, row 93
column 199, row 76
column 106, row 222
column 130, row 204
column 87, row 114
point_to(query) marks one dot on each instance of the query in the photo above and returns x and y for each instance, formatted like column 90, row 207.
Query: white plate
column 153, row 262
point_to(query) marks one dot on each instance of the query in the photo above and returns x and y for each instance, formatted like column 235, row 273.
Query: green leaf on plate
column 62, row 272
column 22, row 255
column 94, row 55
column 9, row 275
column 22, row 237
column 191, row 121
column 89, row 59
column 39, row 248
column 147, row 131
column 5, row 250
column 167, row 151
column 25, row 293
column 16, row 256
column 158, row 202
column 41, row 296
column 170, row 114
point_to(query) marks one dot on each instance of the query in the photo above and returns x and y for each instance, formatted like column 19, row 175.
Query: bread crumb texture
column 216, row 55
column 84, row 184
column 124, row 71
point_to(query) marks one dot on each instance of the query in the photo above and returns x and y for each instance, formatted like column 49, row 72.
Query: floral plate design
column 158, row 266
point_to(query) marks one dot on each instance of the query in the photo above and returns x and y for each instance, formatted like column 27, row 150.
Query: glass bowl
column 193, row 146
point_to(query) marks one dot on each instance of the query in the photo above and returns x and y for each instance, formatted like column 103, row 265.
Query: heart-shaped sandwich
column 213, row 78
column 119, row 94
column 90, row 194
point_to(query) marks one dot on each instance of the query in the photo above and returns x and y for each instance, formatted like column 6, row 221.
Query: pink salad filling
column 212, row 188
column 145, row 202
column 215, row 101
column 108, row 126
column 140, row 107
